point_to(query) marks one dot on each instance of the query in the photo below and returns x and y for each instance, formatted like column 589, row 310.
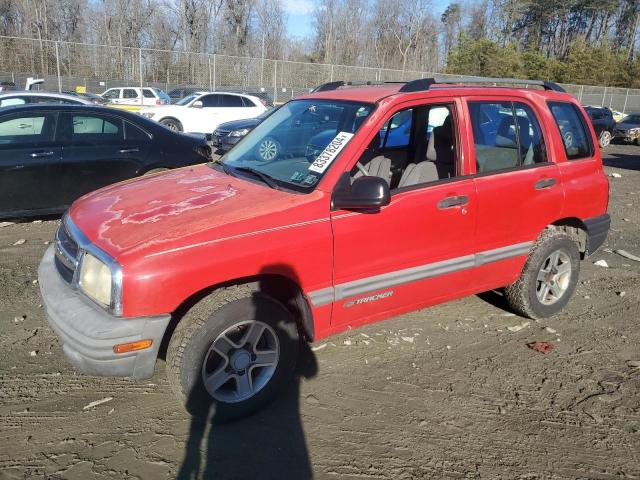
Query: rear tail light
column 264, row 102
column 158, row 101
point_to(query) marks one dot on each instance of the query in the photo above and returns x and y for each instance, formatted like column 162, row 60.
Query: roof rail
column 423, row 84
column 426, row 83
column 335, row 85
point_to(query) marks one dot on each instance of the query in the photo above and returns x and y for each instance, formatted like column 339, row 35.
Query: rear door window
column 147, row 93
column 506, row 135
column 129, row 93
column 231, row 101
column 573, row 130
column 96, row 130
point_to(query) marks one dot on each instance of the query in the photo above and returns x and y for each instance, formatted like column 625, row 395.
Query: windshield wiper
column 268, row 180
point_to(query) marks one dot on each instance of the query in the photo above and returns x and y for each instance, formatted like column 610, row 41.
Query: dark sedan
column 52, row 154
column 603, row 124
column 229, row 133
column 628, row 130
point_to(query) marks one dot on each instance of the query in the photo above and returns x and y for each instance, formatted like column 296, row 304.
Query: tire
column 155, row 170
column 172, row 124
column 527, row 295
column 605, row 139
column 268, row 149
column 211, row 341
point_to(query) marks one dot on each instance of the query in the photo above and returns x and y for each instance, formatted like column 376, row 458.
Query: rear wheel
column 605, row 139
column 548, row 278
column 172, row 124
column 232, row 353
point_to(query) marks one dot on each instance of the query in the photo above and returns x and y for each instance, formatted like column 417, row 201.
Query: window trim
column 113, row 118
column 585, row 129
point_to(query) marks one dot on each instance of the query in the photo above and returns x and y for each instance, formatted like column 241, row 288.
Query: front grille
column 66, row 249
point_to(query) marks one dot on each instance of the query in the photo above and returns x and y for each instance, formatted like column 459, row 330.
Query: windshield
column 295, row 145
column 187, row 99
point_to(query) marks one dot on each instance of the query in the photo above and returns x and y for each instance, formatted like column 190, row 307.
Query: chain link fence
column 65, row 66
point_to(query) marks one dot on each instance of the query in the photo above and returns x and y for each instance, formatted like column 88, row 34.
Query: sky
column 300, row 15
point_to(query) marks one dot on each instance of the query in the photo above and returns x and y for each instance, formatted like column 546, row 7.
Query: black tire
column 172, row 124
column 192, row 344
column 268, row 149
column 522, row 295
column 155, row 170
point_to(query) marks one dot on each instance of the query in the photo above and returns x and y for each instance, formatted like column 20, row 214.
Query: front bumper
column 224, row 143
column 89, row 333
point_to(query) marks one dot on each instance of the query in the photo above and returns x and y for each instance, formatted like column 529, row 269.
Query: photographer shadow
column 269, row 444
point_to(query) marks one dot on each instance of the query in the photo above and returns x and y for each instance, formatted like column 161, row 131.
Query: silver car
column 15, row 98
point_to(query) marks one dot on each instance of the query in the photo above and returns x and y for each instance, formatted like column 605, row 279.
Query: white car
column 136, row 96
column 26, row 97
column 202, row 112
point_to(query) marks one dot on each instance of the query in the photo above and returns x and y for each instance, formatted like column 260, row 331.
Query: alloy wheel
column 553, row 277
column 241, row 361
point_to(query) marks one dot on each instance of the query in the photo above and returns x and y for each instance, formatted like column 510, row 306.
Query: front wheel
column 549, row 277
column 232, row 353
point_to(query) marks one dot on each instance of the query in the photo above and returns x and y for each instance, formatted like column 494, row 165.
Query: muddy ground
column 447, row 392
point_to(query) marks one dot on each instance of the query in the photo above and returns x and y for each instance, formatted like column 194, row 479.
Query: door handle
column 449, row 202
column 545, row 183
column 41, row 154
column 129, row 150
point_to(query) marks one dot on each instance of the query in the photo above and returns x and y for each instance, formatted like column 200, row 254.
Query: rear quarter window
column 572, row 125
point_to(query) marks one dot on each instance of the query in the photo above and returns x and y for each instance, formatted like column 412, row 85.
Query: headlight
column 95, row 279
column 634, row 131
column 239, row 133
column 148, row 114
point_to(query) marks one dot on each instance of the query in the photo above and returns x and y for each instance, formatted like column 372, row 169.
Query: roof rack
column 426, row 83
column 423, row 84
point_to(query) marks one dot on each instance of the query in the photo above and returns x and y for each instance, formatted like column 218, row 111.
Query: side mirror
column 197, row 104
column 366, row 193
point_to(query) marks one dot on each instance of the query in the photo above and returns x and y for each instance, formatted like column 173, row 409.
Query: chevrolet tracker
column 400, row 196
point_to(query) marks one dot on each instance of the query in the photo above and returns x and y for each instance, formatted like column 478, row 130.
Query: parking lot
column 451, row 391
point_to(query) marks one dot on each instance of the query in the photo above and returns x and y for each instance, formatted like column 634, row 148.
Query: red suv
column 414, row 194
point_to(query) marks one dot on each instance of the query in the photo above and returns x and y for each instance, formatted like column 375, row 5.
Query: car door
column 205, row 118
column 416, row 251
column 29, row 161
column 96, row 152
column 130, row 96
column 518, row 186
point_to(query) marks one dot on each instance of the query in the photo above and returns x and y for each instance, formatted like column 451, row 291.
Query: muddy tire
column 172, row 124
column 232, row 353
column 549, row 277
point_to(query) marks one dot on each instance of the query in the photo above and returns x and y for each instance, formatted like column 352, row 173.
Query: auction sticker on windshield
column 329, row 154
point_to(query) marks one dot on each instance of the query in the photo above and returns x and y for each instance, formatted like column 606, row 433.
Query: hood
column 238, row 124
column 181, row 207
column 627, row 125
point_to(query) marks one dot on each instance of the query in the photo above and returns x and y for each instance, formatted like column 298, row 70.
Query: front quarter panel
column 297, row 244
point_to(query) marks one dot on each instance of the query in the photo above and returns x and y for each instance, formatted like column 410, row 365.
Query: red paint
column 178, row 233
